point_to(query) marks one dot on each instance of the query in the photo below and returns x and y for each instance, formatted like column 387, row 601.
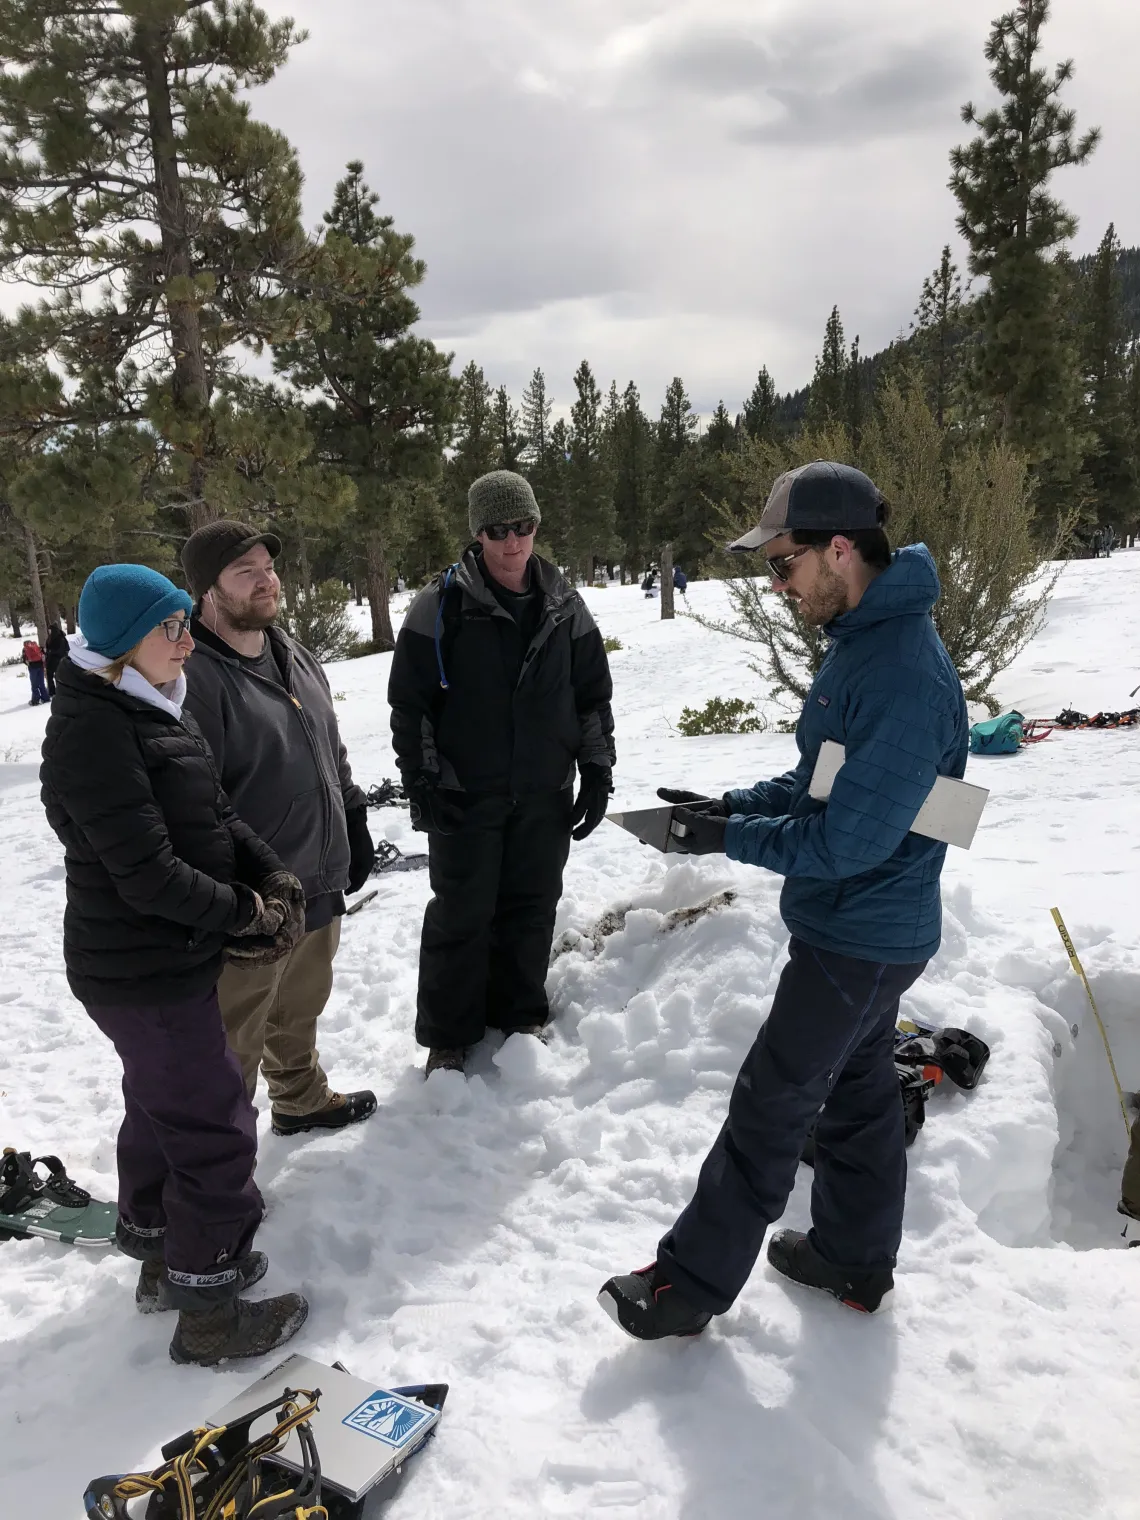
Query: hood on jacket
column 908, row 586
column 470, row 577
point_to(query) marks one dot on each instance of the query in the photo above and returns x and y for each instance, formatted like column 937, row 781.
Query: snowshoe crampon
column 221, row 1474
column 55, row 1208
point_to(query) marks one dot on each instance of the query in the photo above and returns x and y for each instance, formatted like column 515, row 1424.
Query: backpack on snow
column 998, row 736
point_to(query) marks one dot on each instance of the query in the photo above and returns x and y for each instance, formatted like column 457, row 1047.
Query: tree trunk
column 382, row 637
column 37, row 586
column 189, row 381
column 303, row 562
column 70, row 619
column 9, row 615
column 51, row 610
column 667, row 580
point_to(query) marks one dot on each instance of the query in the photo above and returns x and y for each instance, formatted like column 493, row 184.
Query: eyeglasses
column 174, row 628
column 521, row 529
column 778, row 564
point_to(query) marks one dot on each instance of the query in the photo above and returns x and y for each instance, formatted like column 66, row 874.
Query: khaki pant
column 1130, row 1184
column 270, row 1014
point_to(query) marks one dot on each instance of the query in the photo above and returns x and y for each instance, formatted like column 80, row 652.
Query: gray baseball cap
column 821, row 495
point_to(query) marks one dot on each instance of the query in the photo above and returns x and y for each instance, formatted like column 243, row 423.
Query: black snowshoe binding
column 794, row 1257
column 19, row 1185
column 649, row 1308
column 386, row 794
column 389, row 857
column 222, row 1474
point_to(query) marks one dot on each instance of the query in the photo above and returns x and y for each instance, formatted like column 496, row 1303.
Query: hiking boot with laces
column 341, row 1109
column 794, row 1257
column 648, row 1307
column 236, row 1328
column 151, row 1290
column 445, row 1058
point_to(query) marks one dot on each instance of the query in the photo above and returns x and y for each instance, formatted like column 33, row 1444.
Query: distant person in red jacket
column 33, row 658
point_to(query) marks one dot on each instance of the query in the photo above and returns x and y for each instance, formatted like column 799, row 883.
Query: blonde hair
column 112, row 673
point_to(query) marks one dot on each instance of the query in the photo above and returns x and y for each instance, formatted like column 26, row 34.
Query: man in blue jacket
column 861, row 900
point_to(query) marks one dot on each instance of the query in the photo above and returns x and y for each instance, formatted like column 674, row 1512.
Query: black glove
column 430, row 809
column 704, row 832
column 361, row 850
column 590, row 805
column 694, row 800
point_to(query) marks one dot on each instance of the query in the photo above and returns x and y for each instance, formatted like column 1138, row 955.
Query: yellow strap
column 1074, row 960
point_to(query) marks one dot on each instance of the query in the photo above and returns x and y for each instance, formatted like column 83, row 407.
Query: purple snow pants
column 188, row 1142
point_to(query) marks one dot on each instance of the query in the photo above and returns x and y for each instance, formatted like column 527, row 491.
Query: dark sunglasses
column 174, row 628
column 778, row 564
column 521, row 529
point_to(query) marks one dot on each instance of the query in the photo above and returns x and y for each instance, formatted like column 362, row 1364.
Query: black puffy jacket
column 510, row 720
column 150, row 842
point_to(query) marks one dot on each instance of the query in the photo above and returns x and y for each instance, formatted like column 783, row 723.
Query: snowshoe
column 237, row 1328
column 386, row 793
column 649, row 1308
column 794, row 1257
column 389, row 857
column 56, row 1209
column 150, row 1292
column 341, row 1109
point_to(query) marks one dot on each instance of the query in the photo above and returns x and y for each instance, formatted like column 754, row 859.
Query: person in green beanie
column 500, row 692
column 163, row 881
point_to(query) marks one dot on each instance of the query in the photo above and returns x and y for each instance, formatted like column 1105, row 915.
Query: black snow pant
column 187, row 1146
column 485, row 946
column 827, row 1048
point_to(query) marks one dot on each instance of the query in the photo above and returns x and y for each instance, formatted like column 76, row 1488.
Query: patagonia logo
column 824, row 701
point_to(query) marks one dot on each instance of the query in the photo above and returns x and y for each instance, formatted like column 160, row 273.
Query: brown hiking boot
column 341, row 1109
column 151, row 1294
column 445, row 1058
column 236, row 1328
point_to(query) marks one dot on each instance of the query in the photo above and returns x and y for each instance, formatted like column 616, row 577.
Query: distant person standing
column 33, row 657
column 55, row 652
column 500, row 690
column 264, row 705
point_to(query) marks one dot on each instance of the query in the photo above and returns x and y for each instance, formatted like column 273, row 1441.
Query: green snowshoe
column 54, row 1208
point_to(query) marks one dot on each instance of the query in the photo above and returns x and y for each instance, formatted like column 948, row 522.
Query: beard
column 827, row 599
column 250, row 616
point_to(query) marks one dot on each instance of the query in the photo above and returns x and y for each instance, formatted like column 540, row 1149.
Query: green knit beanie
column 500, row 497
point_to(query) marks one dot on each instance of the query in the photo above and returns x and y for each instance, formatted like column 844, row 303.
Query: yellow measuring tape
column 1080, row 970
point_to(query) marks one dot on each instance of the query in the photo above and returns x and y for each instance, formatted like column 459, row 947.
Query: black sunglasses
column 778, row 563
column 521, row 529
column 174, row 628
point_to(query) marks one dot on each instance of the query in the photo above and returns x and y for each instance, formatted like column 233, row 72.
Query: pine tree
column 159, row 216
column 1025, row 370
column 1109, row 463
column 630, row 443
column 856, row 400
column 937, row 328
column 760, row 408
column 828, row 399
column 676, row 427
column 591, row 536
column 475, row 451
column 537, row 406
column 720, row 435
column 387, row 397
column 510, row 441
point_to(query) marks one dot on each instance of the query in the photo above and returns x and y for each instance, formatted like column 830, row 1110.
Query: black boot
column 341, row 1109
column 236, row 1328
column 646, row 1306
column 794, row 1257
column 151, row 1293
column 445, row 1058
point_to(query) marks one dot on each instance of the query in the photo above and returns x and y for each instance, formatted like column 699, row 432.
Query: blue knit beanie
column 120, row 604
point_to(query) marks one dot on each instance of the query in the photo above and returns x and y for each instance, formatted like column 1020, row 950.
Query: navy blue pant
column 39, row 685
column 828, row 1044
column 187, row 1144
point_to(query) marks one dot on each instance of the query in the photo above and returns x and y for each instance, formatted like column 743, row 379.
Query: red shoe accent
column 851, row 1304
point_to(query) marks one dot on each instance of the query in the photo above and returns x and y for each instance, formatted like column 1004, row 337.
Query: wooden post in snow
column 667, row 580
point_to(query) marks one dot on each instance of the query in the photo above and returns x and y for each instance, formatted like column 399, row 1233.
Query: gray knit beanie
column 502, row 496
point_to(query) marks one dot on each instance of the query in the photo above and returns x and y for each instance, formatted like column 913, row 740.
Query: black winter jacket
column 510, row 720
column 150, row 842
column 279, row 753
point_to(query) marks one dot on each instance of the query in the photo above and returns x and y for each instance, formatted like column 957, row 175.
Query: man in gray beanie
column 263, row 703
column 500, row 692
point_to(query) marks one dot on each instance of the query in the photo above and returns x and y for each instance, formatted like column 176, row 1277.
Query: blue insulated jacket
column 858, row 882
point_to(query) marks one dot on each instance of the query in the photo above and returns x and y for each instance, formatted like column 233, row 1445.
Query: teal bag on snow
column 998, row 736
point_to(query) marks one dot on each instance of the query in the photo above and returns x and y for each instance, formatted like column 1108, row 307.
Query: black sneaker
column 150, row 1293
column 794, row 1257
column 445, row 1058
column 341, row 1109
column 647, row 1307
column 237, row 1328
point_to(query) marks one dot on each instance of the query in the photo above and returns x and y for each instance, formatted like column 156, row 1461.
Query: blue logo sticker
column 388, row 1418
column 824, row 701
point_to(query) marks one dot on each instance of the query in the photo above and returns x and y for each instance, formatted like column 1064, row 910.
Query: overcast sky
column 677, row 186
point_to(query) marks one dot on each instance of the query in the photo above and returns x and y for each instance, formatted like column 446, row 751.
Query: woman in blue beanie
column 163, row 880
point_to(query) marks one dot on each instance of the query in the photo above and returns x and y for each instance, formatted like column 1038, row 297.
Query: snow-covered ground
column 462, row 1234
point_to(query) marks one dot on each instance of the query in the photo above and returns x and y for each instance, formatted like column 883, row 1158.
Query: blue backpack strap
column 448, row 577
